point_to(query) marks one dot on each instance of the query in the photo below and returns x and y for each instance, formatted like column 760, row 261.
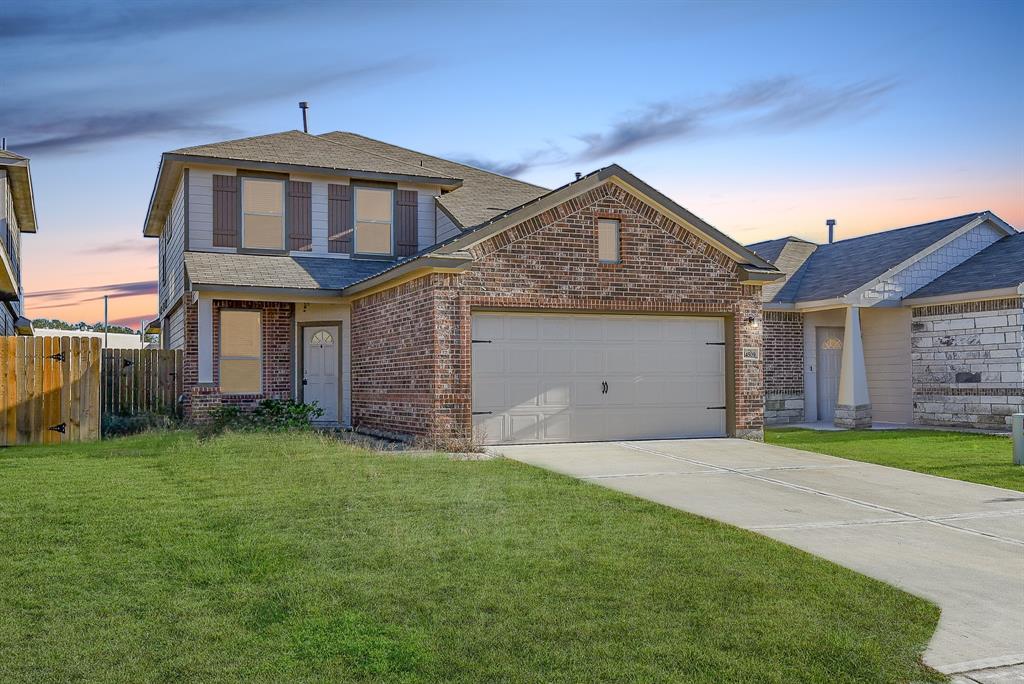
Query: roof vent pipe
column 578, row 175
column 3, row 144
column 304, row 106
column 831, row 223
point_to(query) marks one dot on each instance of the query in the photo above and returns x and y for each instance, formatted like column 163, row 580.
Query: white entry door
column 577, row 377
column 320, row 369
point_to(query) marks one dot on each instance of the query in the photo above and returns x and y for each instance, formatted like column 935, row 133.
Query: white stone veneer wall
column 968, row 363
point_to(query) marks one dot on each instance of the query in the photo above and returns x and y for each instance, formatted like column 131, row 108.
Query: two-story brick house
column 413, row 295
column 17, row 216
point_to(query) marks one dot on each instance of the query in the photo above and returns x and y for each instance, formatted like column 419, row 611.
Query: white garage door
column 570, row 378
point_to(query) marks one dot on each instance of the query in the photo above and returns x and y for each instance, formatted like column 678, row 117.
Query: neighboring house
column 914, row 325
column 17, row 216
column 108, row 341
column 412, row 295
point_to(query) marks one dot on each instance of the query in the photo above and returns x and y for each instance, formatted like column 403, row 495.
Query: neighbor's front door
column 830, row 361
column 320, row 369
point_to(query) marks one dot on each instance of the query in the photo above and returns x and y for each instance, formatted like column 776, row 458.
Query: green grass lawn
column 296, row 558
column 987, row 459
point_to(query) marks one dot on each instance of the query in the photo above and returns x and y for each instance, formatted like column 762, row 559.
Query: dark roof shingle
column 297, row 273
column 1000, row 265
column 483, row 194
column 836, row 269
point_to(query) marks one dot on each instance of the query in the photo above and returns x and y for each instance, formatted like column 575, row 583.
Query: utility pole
column 106, row 324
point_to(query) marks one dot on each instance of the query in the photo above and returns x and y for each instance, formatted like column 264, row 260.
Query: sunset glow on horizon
column 762, row 119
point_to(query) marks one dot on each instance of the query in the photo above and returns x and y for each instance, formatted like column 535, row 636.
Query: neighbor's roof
column 20, row 176
column 998, row 266
column 483, row 194
column 772, row 249
column 837, row 269
column 296, row 273
column 296, row 148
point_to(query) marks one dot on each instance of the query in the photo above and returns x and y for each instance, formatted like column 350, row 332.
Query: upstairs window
column 240, row 347
column 608, row 241
column 374, row 210
column 262, row 214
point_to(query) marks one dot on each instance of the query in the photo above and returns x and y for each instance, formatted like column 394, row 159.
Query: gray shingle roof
column 771, row 249
column 999, row 265
column 7, row 154
column 302, row 273
column 837, row 269
column 483, row 194
column 303, row 149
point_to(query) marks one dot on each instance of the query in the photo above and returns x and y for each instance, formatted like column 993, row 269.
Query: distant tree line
column 57, row 324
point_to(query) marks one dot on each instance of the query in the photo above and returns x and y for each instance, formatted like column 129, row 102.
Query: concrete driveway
column 959, row 544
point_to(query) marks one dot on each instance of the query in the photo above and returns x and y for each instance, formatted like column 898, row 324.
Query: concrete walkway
column 958, row 544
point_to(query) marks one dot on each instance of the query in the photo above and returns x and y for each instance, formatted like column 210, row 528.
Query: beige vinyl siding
column 445, row 227
column 886, row 335
column 172, row 246
column 174, row 329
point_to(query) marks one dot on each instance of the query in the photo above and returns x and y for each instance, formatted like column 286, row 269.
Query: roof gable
column 837, row 269
column 998, row 266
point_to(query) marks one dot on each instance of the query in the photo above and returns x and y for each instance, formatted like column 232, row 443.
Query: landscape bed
column 254, row 557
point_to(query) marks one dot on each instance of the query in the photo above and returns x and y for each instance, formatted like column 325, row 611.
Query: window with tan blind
column 240, row 348
column 374, row 209
column 608, row 241
column 262, row 214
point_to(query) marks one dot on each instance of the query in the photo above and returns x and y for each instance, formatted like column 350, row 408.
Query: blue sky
column 763, row 118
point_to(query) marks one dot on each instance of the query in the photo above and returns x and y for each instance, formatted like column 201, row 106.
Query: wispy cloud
column 766, row 106
column 773, row 105
column 73, row 296
column 140, row 246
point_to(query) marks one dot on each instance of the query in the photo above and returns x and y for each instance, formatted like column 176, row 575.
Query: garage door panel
column 544, row 377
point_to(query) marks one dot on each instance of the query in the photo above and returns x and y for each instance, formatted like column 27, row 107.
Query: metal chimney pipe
column 831, row 223
column 304, row 106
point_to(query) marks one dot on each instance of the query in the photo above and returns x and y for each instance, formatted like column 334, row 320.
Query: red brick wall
column 276, row 325
column 783, row 352
column 547, row 263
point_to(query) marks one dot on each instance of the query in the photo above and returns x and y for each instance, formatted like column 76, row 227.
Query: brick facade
column 968, row 363
column 783, row 367
column 411, row 348
column 277, row 326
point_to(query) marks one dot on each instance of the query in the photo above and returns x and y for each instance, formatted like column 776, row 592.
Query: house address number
column 751, row 354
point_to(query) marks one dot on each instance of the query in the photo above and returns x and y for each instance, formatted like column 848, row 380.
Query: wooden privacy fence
column 50, row 390
column 141, row 381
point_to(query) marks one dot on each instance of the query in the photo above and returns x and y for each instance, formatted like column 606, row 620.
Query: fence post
column 1018, row 438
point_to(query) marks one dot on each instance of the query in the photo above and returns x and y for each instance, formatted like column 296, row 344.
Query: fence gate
column 49, row 390
column 141, row 381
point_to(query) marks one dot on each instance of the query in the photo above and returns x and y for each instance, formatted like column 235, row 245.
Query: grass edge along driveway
column 293, row 557
column 985, row 459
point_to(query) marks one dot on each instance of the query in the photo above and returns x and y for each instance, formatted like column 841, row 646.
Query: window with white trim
column 240, row 352
column 374, row 213
column 262, row 214
column 608, row 241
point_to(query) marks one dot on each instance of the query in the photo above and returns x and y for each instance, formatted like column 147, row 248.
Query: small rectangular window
column 240, row 350
column 262, row 214
column 374, row 209
column 608, row 241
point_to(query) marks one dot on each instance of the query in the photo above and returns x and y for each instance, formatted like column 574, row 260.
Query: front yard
column 295, row 558
column 985, row 459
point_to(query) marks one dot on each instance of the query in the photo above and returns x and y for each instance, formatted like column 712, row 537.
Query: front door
column 830, row 361
column 320, row 369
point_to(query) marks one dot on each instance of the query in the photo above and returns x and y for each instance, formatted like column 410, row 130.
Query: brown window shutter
column 406, row 238
column 299, row 214
column 339, row 219
column 226, row 211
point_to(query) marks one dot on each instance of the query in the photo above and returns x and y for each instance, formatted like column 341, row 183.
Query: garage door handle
column 716, row 408
column 482, row 413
